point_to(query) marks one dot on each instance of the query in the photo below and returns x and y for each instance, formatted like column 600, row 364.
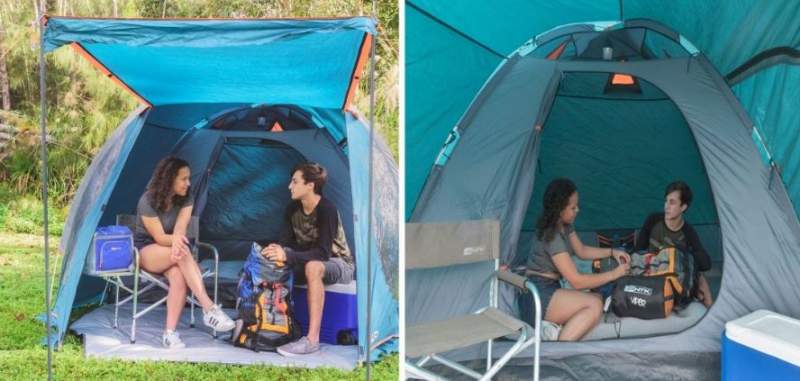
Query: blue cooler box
column 761, row 346
column 112, row 250
column 340, row 313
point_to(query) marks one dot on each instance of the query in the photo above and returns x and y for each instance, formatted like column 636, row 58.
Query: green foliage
column 84, row 107
column 24, row 214
column 23, row 358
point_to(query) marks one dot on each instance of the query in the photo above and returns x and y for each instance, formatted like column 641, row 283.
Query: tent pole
column 43, row 134
column 369, row 206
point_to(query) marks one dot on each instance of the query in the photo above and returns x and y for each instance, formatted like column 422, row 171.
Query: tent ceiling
column 477, row 35
column 310, row 62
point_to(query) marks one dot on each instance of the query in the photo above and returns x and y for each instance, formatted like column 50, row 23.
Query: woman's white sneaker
column 172, row 340
column 217, row 319
column 550, row 331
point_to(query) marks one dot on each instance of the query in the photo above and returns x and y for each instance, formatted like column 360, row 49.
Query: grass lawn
column 23, row 358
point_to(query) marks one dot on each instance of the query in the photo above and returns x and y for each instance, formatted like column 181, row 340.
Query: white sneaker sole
column 222, row 329
column 290, row 354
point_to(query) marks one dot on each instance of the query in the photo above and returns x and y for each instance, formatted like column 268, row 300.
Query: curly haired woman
column 163, row 215
column 556, row 241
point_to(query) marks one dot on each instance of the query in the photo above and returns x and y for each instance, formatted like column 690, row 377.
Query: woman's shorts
column 546, row 287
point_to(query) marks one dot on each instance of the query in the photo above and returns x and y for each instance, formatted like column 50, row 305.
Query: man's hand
column 274, row 253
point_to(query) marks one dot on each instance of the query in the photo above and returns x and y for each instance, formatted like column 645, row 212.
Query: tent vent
column 622, row 83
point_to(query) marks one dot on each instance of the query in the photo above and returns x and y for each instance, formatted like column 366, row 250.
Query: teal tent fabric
column 776, row 114
column 194, row 72
column 445, row 46
column 439, row 90
column 621, row 152
column 308, row 62
column 251, row 167
column 383, row 247
column 523, row 128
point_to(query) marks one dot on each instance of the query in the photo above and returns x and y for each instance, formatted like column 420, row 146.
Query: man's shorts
column 336, row 271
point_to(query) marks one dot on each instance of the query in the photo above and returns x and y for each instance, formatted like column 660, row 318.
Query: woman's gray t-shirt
column 541, row 259
column 167, row 218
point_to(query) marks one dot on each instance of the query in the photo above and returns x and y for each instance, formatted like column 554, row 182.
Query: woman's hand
column 622, row 270
column 621, row 257
column 180, row 247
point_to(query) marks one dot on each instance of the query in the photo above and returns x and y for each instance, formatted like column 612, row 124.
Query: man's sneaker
column 172, row 340
column 550, row 331
column 217, row 319
column 298, row 348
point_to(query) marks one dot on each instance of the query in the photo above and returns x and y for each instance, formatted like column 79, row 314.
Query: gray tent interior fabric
column 609, row 366
column 490, row 174
column 102, row 340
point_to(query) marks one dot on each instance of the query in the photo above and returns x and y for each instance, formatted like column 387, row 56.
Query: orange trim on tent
column 557, row 52
column 366, row 46
column 622, row 79
column 103, row 69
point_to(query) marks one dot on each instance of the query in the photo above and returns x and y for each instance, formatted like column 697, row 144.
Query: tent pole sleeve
column 43, row 137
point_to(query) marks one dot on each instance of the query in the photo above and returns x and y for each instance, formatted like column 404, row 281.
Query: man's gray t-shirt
column 541, row 260
column 167, row 218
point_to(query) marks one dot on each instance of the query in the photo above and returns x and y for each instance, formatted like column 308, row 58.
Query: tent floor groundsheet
column 101, row 340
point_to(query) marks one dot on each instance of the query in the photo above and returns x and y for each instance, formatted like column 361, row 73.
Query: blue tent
column 476, row 36
column 213, row 92
column 654, row 91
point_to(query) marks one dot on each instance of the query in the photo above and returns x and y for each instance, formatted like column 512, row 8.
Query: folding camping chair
column 438, row 245
column 151, row 280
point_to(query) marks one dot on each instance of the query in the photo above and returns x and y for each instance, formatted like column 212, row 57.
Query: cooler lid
column 768, row 332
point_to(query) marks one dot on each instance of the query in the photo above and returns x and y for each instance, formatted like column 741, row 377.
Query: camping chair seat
column 444, row 335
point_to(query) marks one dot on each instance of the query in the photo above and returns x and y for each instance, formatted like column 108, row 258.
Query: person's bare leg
column 176, row 297
column 315, row 270
column 194, row 279
column 156, row 258
column 577, row 311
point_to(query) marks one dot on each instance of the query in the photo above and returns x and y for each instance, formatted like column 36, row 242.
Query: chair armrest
column 209, row 247
column 515, row 280
column 137, row 257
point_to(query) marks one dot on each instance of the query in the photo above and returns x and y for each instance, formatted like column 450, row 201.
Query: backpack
column 266, row 316
column 643, row 297
column 658, row 282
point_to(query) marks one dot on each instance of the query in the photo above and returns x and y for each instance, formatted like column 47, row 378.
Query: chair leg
column 191, row 308
column 216, row 286
column 116, row 302
column 489, row 355
column 135, row 303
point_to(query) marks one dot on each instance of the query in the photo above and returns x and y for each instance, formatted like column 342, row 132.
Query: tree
column 5, row 87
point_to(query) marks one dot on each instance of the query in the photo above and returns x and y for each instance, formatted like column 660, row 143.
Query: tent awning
column 314, row 62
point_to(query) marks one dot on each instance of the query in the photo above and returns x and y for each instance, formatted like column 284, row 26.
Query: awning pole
column 370, row 199
column 43, row 142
